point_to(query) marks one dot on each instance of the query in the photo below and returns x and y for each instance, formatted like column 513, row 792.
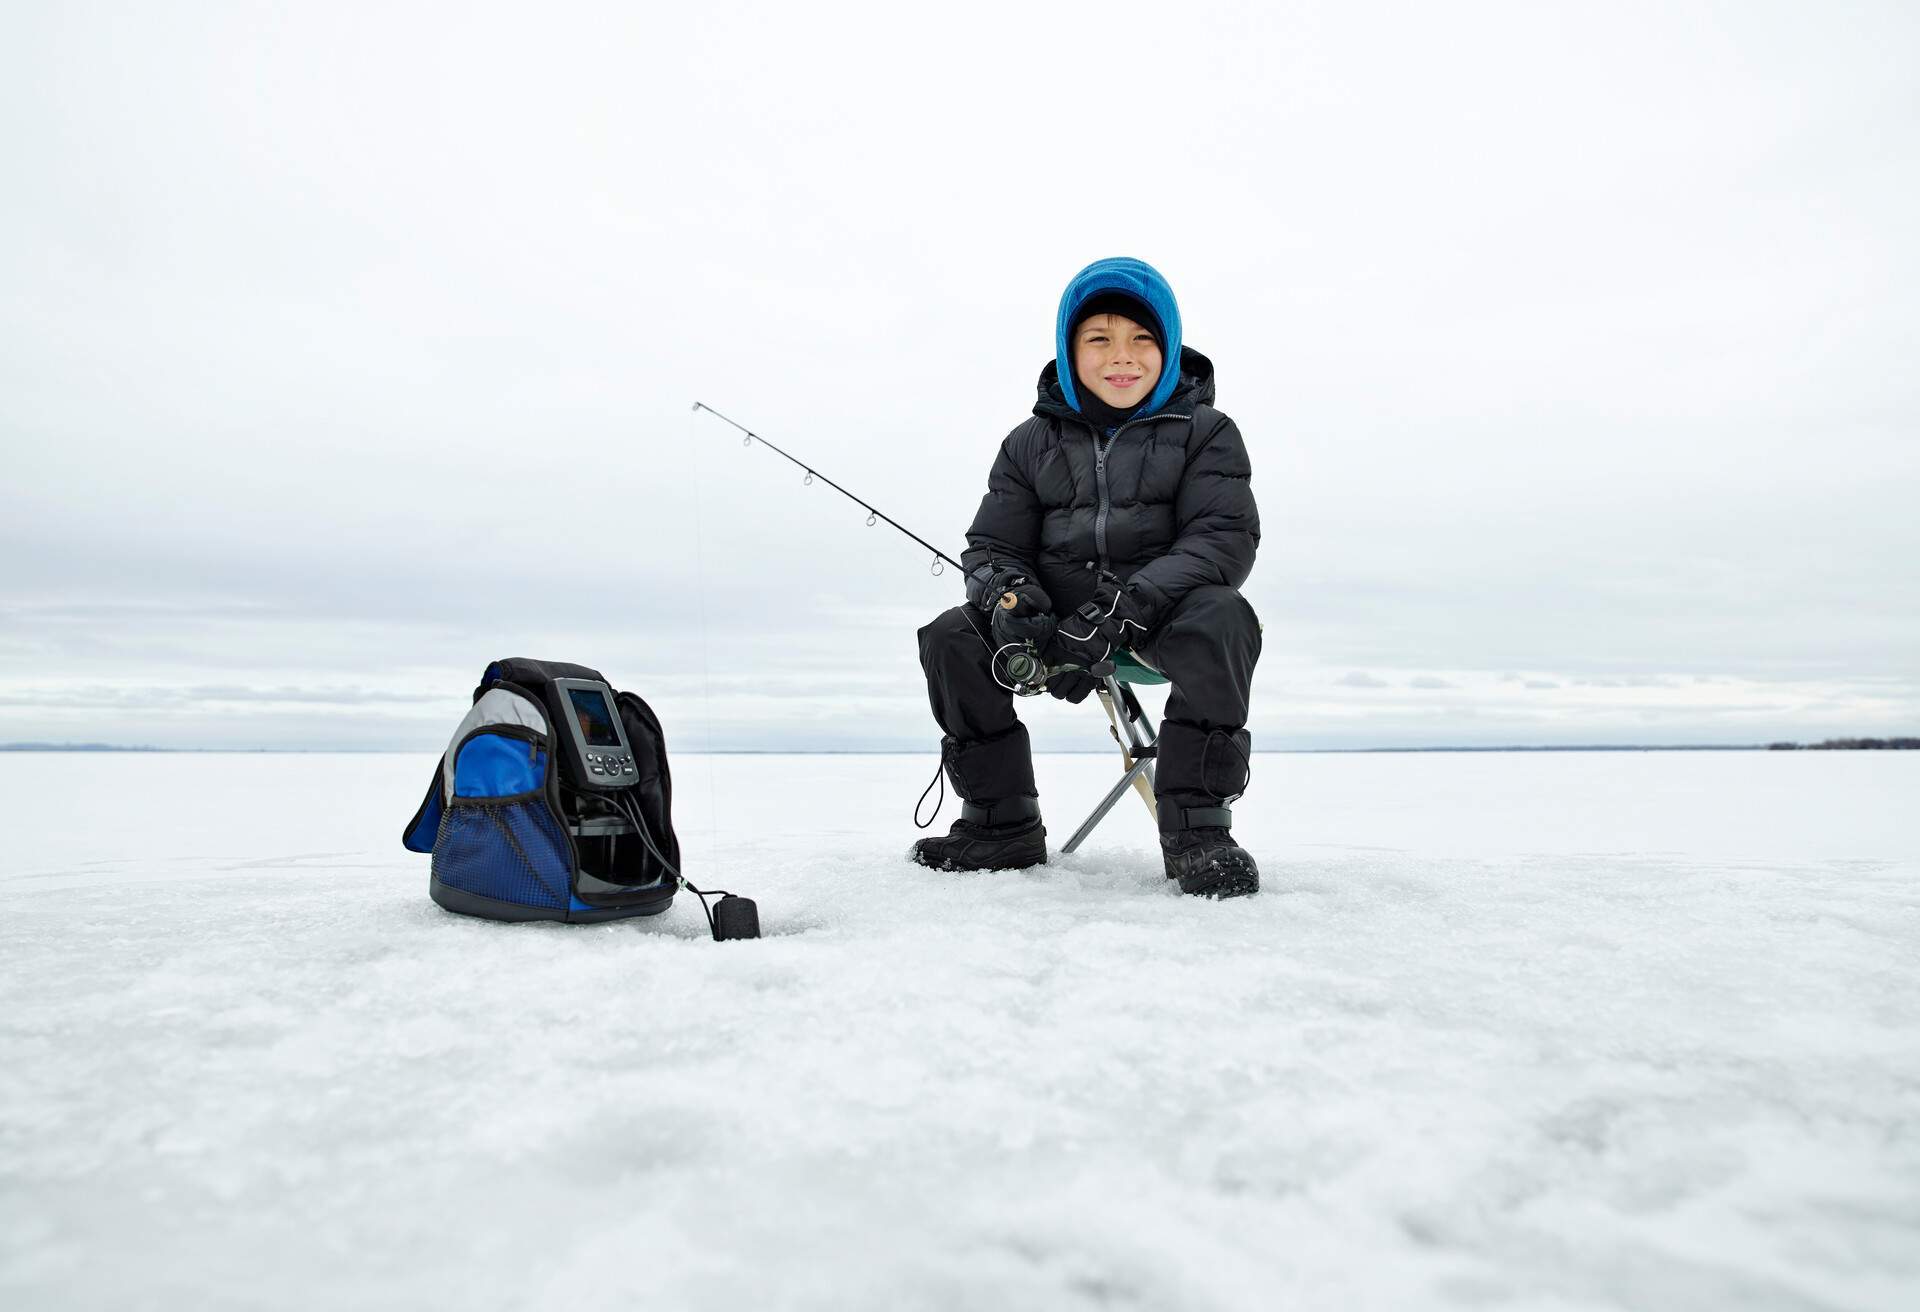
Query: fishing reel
column 1023, row 670
column 1020, row 667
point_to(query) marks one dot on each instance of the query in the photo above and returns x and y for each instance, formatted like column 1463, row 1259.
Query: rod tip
column 698, row 406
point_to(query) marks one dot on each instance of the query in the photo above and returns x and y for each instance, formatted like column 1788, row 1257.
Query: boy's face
column 1116, row 359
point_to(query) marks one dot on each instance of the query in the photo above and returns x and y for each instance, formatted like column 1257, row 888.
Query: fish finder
column 597, row 752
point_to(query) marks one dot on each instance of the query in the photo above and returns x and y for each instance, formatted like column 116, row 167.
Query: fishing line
column 874, row 514
column 999, row 662
column 706, row 673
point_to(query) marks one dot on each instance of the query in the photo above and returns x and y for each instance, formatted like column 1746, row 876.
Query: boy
column 1126, row 489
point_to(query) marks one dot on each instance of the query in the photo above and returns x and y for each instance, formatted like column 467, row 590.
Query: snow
column 1530, row 1031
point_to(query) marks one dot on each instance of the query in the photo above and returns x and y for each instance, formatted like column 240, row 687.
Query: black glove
column 1115, row 618
column 1076, row 642
column 1128, row 618
column 1022, row 613
column 989, row 580
column 1074, row 687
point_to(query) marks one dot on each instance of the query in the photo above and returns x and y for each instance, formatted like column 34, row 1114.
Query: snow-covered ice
column 1531, row 1031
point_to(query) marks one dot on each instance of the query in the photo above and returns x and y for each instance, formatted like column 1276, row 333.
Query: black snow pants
column 1207, row 647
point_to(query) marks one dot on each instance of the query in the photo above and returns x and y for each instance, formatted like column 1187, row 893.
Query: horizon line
column 32, row 748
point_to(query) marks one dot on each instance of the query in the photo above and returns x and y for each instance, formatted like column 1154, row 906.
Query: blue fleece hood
column 1135, row 278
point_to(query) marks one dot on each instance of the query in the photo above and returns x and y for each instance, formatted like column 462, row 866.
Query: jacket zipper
column 1100, row 448
column 1100, row 481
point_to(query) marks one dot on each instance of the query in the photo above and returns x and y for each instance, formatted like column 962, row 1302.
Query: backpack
column 517, row 826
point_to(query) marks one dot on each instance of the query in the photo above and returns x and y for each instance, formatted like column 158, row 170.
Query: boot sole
column 955, row 868
column 951, row 866
column 1219, row 879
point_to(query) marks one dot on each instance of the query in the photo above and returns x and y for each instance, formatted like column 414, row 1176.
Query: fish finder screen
column 596, row 721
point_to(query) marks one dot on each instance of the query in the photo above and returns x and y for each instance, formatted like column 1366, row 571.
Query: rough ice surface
column 1530, row 1031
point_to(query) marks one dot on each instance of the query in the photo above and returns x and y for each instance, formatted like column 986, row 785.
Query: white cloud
column 336, row 365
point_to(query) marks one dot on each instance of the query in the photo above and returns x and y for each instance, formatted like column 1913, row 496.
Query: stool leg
column 1139, row 734
column 1133, row 776
column 1125, row 715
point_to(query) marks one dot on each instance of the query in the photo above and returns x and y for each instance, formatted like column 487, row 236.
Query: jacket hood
column 1138, row 279
column 1186, row 387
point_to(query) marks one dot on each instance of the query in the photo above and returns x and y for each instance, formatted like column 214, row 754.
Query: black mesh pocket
column 513, row 852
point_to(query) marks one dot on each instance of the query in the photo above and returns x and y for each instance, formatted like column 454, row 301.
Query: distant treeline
column 1849, row 745
column 74, row 747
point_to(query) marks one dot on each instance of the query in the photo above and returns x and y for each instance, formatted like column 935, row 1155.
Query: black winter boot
column 1199, row 772
column 1019, row 839
column 1208, row 863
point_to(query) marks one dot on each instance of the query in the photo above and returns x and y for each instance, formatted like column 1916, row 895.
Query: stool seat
column 1128, row 668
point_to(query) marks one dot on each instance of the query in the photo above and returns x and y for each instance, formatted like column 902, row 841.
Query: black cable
column 628, row 806
column 629, row 809
column 632, row 810
column 939, row 777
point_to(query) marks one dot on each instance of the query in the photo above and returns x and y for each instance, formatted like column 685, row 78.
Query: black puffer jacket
column 1166, row 503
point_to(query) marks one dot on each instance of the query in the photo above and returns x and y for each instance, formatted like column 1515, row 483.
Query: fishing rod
column 1025, row 668
column 873, row 514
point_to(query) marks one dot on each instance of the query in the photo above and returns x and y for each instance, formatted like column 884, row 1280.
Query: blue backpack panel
column 511, row 840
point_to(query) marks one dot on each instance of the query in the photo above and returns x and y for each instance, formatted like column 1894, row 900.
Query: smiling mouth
column 1123, row 380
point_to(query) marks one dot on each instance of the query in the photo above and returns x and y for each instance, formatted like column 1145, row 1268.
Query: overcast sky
column 344, row 348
